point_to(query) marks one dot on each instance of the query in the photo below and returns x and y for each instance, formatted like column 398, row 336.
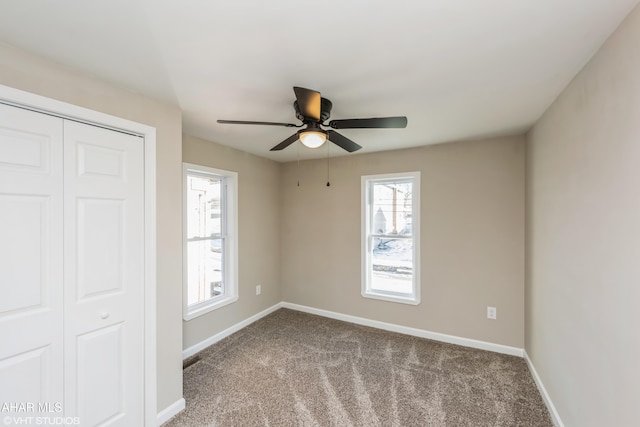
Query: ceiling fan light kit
column 313, row 111
column 312, row 138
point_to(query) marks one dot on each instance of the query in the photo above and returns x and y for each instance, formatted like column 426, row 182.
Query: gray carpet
column 297, row 369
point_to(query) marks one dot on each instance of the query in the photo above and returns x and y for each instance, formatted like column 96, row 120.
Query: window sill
column 402, row 299
column 206, row 307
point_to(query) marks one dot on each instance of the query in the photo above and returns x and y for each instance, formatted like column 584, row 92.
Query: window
column 391, row 237
column 210, row 239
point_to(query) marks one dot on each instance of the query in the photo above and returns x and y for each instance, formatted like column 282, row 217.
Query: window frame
column 367, row 182
column 229, row 200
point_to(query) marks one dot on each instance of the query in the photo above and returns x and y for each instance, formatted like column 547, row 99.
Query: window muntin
column 390, row 237
column 209, row 229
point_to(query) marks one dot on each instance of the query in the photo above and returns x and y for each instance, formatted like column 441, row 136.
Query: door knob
column 104, row 315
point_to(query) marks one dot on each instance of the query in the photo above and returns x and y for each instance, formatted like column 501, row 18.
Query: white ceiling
column 458, row 69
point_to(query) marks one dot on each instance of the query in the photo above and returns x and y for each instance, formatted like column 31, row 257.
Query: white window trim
column 231, row 243
column 413, row 298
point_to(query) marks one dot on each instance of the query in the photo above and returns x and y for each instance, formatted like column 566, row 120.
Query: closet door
column 31, row 275
column 104, row 275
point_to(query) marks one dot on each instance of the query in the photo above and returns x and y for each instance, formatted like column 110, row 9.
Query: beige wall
column 583, row 239
column 29, row 73
column 472, row 232
column 259, row 235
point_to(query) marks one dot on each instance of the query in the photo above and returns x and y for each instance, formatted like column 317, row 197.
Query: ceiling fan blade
column 342, row 141
column 308, row 102
column 287, row 142
column 243, row 122
column 379, row 122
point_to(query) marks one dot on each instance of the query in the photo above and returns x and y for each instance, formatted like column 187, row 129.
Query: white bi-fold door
column 31, row 262
column 71, row 270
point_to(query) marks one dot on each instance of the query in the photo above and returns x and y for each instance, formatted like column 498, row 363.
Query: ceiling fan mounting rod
column 315, row 126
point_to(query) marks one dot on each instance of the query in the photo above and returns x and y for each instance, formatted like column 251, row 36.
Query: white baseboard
column 451, row 339
column 171, row 411
column 555, row 417
column 230, row 330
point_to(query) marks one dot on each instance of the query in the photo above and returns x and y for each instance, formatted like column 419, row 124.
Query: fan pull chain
column 298, row 156
column 328, row 181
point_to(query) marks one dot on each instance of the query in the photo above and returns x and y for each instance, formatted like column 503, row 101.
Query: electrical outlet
column 258, row 289
column 492, row 313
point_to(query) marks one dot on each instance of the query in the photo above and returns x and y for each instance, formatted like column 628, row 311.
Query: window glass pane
column 392, row 265
column 205, row 271
column 391, row 204
column 204, row 206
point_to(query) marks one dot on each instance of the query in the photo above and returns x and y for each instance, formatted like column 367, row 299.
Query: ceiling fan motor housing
column 325, row 111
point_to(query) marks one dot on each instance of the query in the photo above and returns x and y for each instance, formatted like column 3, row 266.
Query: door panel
column 100, row 161
column 104, row 275
column 24, row 228
column 101, row 252
column 31, row 275
column 25, row 149
column 29, row 375
column 102, row 405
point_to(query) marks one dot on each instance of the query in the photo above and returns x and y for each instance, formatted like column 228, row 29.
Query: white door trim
column 35, row 102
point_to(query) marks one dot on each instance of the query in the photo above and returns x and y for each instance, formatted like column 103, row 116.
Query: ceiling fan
column 313, row 111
